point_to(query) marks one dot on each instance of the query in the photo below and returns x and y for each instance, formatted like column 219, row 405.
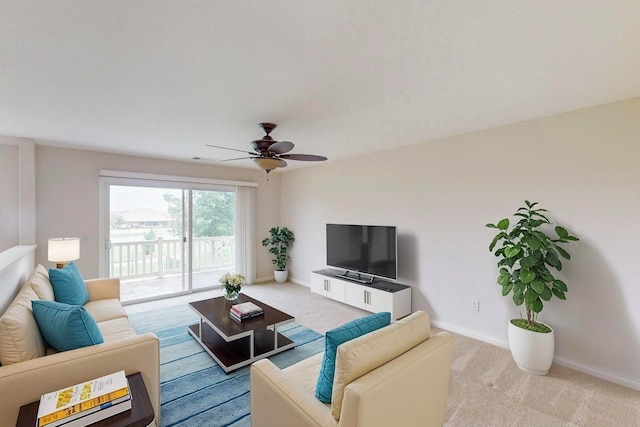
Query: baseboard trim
column 470, row 334
column 607, row 376
column 300, row 282
column 598, row 373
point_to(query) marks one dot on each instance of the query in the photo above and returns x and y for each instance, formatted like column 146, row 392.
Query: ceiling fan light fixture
column 267, row 164
column 270, row 154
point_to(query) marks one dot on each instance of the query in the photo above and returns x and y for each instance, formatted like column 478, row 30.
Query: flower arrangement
column 232, row 283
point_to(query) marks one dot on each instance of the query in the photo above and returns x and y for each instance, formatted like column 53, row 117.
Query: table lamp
column 64, row 249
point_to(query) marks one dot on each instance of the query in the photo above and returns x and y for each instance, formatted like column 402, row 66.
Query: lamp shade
column 64, row 249
column 268, row 164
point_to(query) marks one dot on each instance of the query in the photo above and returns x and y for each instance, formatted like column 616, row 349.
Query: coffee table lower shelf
column 235, row 354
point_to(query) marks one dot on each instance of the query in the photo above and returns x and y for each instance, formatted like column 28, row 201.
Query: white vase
column 532, row 351
column 281, row 275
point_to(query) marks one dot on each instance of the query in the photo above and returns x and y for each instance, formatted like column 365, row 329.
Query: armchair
column 397, row 375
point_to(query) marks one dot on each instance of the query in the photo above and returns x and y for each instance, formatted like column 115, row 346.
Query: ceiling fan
column 270, row 154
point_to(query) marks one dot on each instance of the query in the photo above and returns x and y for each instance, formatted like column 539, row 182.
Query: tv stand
column 374, row 295
column 358, row 278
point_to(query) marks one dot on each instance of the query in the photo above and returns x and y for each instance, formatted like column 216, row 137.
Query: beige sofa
column 394, row 376
column 30, row 369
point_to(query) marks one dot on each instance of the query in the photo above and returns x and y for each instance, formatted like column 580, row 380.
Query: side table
column 140, row 414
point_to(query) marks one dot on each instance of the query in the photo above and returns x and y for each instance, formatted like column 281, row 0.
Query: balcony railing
column 155, row 258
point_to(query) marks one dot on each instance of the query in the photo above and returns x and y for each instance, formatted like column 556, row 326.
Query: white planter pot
column 532, row 351
column 281, row 275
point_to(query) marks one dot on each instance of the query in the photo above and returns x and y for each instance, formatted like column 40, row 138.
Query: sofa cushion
column 41, row 270
column 64, row 326
column 20, row 338
column 116, row 329
column 105, row 309
column 41, row 285
column 368, row 352
column 305, row 372
column 336, row 337
column 68, row 285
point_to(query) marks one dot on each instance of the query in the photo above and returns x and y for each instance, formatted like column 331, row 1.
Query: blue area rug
column 194, row 390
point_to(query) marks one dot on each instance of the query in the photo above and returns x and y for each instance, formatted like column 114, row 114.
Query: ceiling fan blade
column 238, row 158
column 281, row 147
column 304, row 157
column 234, row 149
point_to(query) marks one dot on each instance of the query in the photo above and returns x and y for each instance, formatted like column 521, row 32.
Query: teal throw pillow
column 68, row 285
column 65, row 326
column 337, row 336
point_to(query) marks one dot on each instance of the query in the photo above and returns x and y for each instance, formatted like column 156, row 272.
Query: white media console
column 378, row 295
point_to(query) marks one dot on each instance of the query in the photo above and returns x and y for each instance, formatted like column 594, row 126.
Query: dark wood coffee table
column 235, row 344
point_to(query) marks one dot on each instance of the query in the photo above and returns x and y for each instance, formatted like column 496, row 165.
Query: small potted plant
column 279, row 240
column 232, row 284
column 527, row 259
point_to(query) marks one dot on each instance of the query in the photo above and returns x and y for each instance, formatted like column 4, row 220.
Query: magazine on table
column 89, row 417
column 63, row 406
column 246, row 308
column 242, row 317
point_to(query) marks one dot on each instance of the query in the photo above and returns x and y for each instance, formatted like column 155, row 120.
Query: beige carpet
column 486, row 388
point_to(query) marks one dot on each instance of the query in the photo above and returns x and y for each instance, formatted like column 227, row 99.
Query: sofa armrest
column 24, row 382
column 415, row 384
column 277, row 400
column 103, row 288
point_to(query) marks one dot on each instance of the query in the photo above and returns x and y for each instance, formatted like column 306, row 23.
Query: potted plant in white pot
column 279, row 240
column 527, row 259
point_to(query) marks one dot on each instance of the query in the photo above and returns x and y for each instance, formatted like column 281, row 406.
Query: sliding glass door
column 166, row 240
column 213, row 242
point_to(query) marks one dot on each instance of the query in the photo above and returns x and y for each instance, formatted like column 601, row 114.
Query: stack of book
column 244, row 311
column 86, row 403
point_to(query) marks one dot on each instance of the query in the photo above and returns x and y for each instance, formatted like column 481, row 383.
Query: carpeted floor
column 194, row 390
column 486, row 387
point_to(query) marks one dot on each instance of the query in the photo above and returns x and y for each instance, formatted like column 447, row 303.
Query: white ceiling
column 341, row 78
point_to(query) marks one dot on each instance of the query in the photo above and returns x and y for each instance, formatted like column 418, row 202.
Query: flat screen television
column 363, row 249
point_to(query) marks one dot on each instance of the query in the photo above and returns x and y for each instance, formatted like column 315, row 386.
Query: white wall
column 583, row 166
column 67, row 197
column 9, row 210
column 16, row 265
column 17, row 192
column 17, row 215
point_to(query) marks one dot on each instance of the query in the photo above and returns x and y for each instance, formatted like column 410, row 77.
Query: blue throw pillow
column 65, row 326
column 335, row 337
column 68, row 285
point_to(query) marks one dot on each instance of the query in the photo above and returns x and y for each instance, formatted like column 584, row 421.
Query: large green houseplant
column 528, row 259
column 278, row 242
